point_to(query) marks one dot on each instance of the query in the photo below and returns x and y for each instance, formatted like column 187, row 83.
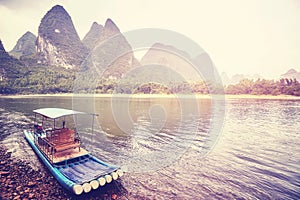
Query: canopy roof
column 56, row 112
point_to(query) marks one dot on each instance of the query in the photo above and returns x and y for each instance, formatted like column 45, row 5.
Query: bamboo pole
column 93, row 124
column 108, row 178
column 114, row 175
column 94, row 184
column 102, row 181
column 86, row 187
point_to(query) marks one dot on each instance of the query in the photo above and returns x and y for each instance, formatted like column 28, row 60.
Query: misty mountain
column 177, row 65
column 291, row 74
column 110, row 53
column 25, row 46
column 91, row 39
column 235, row 79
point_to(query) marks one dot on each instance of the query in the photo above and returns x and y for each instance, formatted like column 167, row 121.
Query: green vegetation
column 20, row 79
column 37, row 80
column 265, row 87
column 50, row 80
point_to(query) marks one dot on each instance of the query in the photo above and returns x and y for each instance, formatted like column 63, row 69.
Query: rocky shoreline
column 19, row 181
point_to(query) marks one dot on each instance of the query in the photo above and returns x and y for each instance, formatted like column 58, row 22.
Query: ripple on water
column 13, row 139
column 256, row 157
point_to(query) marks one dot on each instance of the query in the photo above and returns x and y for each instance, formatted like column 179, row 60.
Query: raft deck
column 84, row 168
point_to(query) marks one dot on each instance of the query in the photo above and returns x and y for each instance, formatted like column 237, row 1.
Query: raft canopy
column 54, row 113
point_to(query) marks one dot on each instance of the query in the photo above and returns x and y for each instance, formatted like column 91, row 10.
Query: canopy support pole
column 64, row 122
column 93, row 124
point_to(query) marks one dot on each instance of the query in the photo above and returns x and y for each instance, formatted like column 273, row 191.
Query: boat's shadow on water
column 113, row 190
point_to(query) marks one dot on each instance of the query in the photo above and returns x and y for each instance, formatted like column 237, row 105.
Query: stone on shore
column 18, row 180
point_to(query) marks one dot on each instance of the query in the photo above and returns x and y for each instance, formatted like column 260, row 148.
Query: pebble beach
column 18, row 180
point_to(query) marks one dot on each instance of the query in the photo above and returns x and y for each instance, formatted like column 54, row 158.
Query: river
column 176, row 148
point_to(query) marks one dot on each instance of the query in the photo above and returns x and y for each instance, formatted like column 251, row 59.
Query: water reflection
column 257, row 156
column 134, row 132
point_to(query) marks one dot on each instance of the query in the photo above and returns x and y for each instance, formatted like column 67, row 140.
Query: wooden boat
column 60, row 150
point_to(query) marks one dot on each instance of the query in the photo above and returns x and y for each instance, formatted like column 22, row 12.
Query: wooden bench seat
column 64, row 147
column 63, row 139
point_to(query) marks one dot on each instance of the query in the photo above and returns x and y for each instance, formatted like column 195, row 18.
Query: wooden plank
column 64, row 136
column 65, row 155
column 67, row 146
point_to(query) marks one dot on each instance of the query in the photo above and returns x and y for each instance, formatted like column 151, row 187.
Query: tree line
column 283, row 86
column 51, row 80
column 37, row 80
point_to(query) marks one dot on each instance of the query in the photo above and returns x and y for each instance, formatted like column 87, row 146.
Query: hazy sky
column 241, row 36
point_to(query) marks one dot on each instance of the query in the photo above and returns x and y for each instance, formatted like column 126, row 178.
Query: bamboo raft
column 60, row 150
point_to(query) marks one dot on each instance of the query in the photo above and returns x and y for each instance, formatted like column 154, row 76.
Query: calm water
column 163, row 143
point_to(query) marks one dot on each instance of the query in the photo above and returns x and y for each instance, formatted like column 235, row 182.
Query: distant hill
column 165, row 63
column 110, row 53
column 235, row 79
column 10, row 69
column 177, row 65
column 25, row 46
column 4, row 56
column 4, row 60
column 7, row 62
column 58, row 43
column 91, row 39
column 291, row 74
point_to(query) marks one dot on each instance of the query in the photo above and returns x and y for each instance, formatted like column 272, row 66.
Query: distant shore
column 250, row 96
column 200, row 96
